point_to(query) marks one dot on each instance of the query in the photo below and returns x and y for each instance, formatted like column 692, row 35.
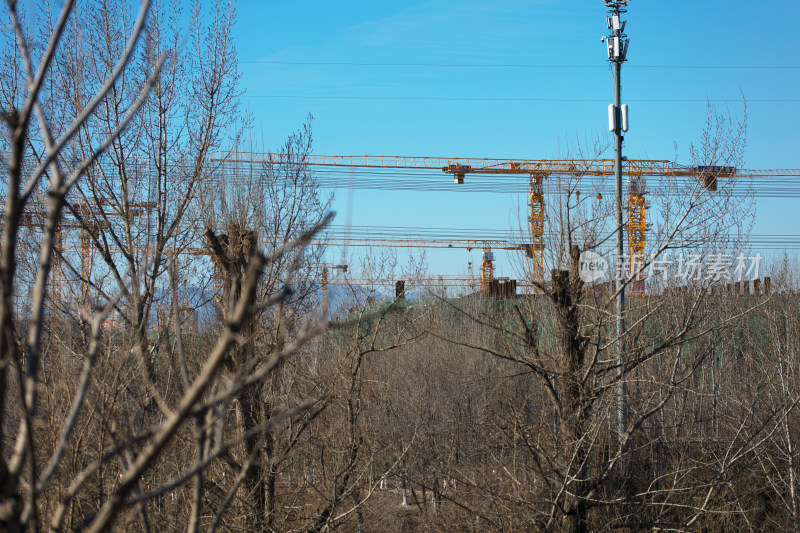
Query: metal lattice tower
column 637, row 229
column 536, row 220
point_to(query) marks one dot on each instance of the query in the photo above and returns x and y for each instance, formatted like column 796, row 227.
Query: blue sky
column 379, row 78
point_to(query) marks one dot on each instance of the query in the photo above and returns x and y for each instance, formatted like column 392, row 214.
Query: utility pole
column 617, row 45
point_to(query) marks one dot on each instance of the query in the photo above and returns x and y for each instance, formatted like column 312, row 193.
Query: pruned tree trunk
column 232, row 252
column 567, row 289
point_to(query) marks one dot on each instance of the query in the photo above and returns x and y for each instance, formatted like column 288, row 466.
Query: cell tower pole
column 617, row 46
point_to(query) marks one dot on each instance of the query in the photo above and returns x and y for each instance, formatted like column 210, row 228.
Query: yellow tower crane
column 487, row 264
column 538, row 170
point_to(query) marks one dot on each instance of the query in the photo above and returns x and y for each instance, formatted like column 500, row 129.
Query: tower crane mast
column 324, row 281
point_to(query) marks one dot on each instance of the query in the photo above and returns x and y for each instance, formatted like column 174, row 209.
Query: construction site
column 79, row 236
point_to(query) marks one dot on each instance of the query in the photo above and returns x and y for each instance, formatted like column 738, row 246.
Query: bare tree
column 576, row 474
column 265, row 204
column 109, row 127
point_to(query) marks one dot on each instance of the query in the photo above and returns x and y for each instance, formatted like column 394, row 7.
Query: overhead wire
column 434, row 180
column 762, row 241
column 511, row 99
column 507, row 65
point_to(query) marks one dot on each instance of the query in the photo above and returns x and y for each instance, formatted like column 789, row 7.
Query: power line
column 434, row 180
column 762, row 241
column 510, row 99
column 513, row 65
